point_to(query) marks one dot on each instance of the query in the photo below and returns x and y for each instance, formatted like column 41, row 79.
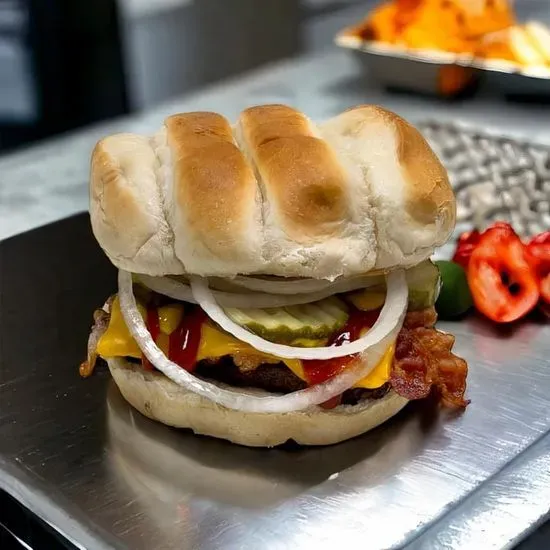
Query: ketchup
column 185, row 340
column 320, row 370
column 357, row 321
column 332, row 403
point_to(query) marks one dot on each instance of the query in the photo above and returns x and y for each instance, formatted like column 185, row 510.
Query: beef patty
column 274, row 378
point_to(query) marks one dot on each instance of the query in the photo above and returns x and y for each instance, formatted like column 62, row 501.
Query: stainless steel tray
column 74, row 453
column 396, row 67
column 419, row 70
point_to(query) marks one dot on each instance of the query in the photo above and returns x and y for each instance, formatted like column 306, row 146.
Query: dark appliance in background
column 69, row 63
column 61, row 67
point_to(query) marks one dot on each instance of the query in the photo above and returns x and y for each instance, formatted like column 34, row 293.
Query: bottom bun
column 158, row 398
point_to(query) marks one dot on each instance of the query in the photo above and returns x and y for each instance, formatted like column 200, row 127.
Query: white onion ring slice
column 306, row 286
column 394, row 309
column 233, row 399
column 297, row 286
column 167, row 287
column 180, row 291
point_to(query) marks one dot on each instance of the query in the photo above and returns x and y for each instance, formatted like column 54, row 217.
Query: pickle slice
column 424, row 283
column 309, row 342
column 367, row 299
column 301, row 323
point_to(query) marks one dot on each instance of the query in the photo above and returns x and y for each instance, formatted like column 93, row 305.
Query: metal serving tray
column 396, row 67
column 78, row 456
column 419, row 70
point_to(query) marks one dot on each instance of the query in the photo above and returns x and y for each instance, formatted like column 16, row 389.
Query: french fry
column 449, row 25
column 539, row 35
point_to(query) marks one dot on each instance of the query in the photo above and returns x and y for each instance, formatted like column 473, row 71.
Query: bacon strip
column 423, row 360
column 425, row 318
column 101, row 322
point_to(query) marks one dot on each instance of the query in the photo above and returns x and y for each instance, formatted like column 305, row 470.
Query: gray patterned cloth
column 495, row 178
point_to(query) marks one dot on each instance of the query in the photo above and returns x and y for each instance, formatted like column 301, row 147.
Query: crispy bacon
column 101, row 322
column 424, row 318
column 423, row 360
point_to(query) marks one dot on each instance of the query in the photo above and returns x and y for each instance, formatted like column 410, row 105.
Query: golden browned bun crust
column 414, row 204
column 299, row 173
column 212, row 197
column 158, row 398
column 125, row 206
column 275, row 195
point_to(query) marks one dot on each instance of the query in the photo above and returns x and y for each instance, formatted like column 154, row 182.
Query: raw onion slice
column 296, row 286
column 393, row 310
column 167, row 287
column 385, row 330
column 180, row 291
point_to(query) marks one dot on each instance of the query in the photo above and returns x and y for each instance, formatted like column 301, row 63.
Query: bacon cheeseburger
column 274, row 278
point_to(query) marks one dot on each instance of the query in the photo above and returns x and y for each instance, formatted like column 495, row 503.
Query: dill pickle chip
column 423, row 281
column 314, row 321
column 424, row 284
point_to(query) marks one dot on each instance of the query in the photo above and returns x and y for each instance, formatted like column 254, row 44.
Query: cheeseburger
column 274, row 276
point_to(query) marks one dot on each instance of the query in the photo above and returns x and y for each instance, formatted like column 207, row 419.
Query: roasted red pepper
column 465, row 246
column 501, row 278
column 538, row 250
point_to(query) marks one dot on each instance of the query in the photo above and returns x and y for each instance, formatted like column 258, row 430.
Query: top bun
column 276, row 194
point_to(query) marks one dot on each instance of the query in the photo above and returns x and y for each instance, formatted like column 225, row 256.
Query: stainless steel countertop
column 49, row 181
column 77, row 455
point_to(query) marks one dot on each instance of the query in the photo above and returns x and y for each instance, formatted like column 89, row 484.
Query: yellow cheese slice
column 216, row 343
column 117, row 342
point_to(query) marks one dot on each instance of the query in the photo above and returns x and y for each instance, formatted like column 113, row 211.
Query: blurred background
column 71, row 64
column 65, row 63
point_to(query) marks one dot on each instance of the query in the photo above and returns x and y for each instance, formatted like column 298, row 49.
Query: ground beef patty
column 274, row 378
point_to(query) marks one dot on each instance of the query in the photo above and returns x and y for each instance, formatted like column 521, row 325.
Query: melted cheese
column 216, row 343
column 117, row 342
column 170, row 317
